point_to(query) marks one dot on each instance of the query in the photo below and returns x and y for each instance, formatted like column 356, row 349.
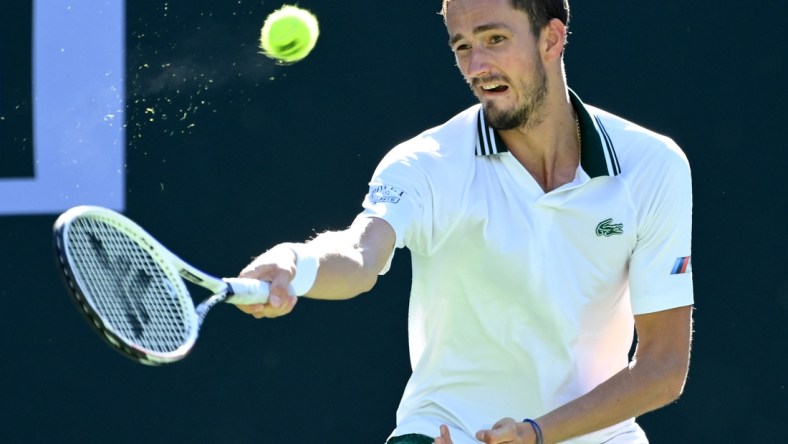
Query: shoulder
column 638, row 149
column 452, row 139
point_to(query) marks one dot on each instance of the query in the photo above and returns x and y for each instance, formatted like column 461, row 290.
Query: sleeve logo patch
column 385, row 194
column 682, row 265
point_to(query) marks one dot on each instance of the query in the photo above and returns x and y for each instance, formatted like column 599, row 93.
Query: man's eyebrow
column 478, row 30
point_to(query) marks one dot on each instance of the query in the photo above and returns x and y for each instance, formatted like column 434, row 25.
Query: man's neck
column 550, row 150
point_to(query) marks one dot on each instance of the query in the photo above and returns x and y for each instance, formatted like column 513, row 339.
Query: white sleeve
column 660, row 270
column 399, row 193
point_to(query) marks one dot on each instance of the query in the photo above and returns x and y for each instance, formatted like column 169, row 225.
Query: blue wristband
column 537, row 430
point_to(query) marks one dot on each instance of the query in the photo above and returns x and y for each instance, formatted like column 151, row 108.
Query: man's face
column 498, row 56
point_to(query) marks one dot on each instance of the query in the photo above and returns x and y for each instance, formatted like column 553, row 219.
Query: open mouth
column 494, row 87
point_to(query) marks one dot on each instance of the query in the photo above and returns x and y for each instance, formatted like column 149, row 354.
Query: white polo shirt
column 522, row 300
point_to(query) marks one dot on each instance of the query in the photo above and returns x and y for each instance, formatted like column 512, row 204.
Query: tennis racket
column 131, row 288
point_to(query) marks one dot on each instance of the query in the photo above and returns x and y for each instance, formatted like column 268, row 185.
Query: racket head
column 126, row 284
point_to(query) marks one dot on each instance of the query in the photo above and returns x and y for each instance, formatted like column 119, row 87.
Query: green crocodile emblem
column 607, row 228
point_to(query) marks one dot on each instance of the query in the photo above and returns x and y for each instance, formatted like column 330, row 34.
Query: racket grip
column 245, row 291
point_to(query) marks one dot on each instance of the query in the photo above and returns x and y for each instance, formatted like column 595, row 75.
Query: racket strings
column 139, row 300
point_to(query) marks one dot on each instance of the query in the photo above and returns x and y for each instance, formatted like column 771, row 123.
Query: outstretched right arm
column 349, row 262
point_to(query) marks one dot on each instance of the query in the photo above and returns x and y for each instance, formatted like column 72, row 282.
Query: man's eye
column 497, row 39
column 462, row 47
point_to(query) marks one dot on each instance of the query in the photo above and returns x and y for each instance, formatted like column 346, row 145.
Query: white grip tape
column 306, row 268
column 247, row 291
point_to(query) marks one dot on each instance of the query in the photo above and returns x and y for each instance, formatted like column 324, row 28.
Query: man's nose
column 478, row 63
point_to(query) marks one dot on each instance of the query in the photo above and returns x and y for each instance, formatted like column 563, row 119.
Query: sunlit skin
column 519, row 80
column 486, row 53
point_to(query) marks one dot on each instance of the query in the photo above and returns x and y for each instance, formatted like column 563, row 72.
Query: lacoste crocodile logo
column 607, row 228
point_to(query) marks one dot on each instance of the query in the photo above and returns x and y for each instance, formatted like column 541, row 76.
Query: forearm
column 655, row 377
column 641, row 387
column 334, row 265
column 345, row 268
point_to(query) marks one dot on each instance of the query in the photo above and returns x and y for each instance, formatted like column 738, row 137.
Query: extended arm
column 349, row 263
column 655, row 377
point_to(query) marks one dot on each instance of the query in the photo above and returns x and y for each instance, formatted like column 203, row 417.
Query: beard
column 531, row 105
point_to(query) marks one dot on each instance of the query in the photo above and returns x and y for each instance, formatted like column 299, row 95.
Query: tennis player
column 543, row 233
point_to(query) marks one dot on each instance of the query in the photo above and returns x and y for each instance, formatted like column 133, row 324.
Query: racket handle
column 247, row 291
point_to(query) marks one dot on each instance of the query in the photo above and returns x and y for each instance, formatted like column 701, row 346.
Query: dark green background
column 268, row 154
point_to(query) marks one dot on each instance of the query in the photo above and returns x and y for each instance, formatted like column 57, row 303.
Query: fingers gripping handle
column 244, row 291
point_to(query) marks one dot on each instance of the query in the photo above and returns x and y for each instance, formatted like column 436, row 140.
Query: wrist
column 306, row 266
column 537, row 430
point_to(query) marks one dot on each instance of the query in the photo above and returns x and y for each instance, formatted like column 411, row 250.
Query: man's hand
column 507, row 430
column 276, row 266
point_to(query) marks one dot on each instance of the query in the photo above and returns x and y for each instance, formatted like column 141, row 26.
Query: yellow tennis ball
column 289, row 34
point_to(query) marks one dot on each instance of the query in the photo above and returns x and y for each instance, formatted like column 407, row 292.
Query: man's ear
column 553, row 39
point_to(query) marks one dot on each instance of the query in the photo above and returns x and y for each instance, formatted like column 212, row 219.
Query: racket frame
column 169, row 262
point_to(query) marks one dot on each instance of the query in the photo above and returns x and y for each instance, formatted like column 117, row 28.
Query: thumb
column 493, row 436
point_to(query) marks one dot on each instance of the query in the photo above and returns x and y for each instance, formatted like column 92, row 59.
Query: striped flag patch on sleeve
column 682, row 265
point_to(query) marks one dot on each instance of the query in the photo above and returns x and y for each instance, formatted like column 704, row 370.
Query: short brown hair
column 540, row 12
